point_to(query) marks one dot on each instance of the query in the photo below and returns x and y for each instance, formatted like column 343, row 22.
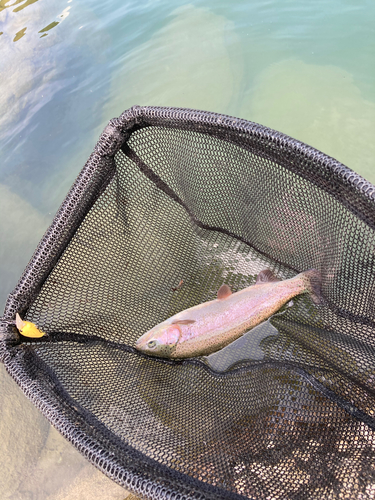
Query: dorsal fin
column 266, row 276
column 183, row 322
column 224, row 292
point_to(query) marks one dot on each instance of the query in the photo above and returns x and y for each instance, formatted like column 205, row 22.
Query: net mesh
column 172, row 204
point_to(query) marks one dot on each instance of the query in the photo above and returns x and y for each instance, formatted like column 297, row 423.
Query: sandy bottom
column 37, row 462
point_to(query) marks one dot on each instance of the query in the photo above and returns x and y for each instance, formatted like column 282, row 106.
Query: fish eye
column 151, row 344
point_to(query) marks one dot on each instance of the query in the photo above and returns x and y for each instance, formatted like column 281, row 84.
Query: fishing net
column 172, row 204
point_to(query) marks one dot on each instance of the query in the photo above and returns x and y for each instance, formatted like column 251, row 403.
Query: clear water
column 305, row 68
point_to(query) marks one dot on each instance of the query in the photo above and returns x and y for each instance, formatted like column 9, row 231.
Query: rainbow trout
column 208, row 327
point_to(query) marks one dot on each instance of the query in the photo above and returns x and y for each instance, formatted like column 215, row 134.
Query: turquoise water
column 305, row 68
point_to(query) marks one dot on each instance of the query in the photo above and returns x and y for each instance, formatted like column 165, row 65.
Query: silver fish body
column 208, row 327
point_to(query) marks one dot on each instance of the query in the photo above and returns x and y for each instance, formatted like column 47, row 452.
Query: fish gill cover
column 171, row 205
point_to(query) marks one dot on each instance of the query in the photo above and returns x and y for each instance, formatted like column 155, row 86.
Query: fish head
column 160, row 341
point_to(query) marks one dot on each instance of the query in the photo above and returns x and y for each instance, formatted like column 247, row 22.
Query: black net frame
column 296, row 422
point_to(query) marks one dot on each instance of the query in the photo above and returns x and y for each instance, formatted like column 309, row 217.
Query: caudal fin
column 313, row 283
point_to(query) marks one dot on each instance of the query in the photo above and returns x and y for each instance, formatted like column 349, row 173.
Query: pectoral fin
column 266, row 276
column 173, row 335
column 224, row 292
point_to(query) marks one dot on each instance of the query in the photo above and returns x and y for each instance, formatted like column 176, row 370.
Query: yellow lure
column 28, row 329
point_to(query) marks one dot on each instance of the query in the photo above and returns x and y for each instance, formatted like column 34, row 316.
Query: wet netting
column 172, row 204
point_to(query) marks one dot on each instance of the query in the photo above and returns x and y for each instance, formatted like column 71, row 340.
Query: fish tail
column 313, row 284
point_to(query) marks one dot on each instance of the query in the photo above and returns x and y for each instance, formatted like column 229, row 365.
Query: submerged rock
column 319, row 105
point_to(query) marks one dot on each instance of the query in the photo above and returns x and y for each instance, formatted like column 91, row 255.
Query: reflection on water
column 5, row 4
column 19, row 35
column 305, row 69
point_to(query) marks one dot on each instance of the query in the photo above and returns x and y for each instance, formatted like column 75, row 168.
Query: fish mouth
column 141, row 342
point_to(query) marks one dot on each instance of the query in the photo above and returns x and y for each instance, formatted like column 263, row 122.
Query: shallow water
column 304, row 68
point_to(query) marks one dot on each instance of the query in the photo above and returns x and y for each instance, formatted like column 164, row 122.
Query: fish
column 210, row 326
column 27, row 328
